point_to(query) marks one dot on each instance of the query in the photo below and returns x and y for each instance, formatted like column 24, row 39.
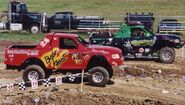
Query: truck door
column 141, row 40
column 73, row 59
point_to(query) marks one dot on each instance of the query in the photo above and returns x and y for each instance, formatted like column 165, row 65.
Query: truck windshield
column 148, row 31
column 85, row 43
column 23, row 8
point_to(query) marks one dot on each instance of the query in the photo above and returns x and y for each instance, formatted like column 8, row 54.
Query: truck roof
column 140, row 26
column 140, row 17
column 132, row 26
column 63, row 35
column 65, row 12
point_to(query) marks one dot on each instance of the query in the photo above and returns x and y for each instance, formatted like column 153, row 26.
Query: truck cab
column 19, row 19
column 134, row 39
column 63, row 20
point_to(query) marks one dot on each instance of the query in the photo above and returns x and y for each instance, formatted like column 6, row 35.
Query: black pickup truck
column 137, row 42
column 146, row 19
column 67, row 20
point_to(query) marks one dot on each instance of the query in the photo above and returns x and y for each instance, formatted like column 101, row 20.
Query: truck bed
column 23, row 46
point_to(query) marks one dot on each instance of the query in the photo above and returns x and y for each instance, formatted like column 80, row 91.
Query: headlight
column 176, row 41
column 115, row 56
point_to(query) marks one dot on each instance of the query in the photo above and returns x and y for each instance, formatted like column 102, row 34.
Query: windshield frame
column 81, row 40
column 152, row 34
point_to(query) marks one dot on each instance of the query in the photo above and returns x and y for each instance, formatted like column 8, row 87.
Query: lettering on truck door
column 141, row 40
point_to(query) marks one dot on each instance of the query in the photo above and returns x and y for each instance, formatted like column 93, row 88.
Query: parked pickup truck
column 136, row 41
column 64, row 52
column 67, row 20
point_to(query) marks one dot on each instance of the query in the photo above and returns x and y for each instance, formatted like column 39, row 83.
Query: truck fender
column 164, row 43
column 100, row 60
column 32, row 61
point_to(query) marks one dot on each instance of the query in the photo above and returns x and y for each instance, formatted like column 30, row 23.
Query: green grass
column 110, row 9
column 24, row 36
column 17, row 36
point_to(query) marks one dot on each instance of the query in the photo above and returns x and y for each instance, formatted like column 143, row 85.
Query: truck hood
column 167, row 36
column 172, row 38
column 105, row 48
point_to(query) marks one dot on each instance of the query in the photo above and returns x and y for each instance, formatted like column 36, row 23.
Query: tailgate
column 15, row 55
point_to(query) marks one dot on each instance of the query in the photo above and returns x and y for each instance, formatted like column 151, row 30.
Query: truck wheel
column 167, row 55
column 34, row 29
column 33, row 72
column 99, row 76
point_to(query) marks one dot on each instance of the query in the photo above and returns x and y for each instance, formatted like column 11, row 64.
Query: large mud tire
column 99, row 76
column 167, row 55
column 33, row 72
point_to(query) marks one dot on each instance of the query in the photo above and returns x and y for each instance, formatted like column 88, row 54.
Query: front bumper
column 180, row 45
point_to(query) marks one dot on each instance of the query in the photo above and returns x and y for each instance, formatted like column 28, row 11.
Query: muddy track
column 127, row 89
column 144, row 83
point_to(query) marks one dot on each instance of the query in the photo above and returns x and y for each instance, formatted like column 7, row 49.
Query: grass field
column 17, row 36
column 25, row 36
column 110, row 9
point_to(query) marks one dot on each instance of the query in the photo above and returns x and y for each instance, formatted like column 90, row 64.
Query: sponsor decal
column 44, row 42
column 76, row 58
column 141, row 50
column 128, row 45
column 142, row 42
column 55, row 58
column 85, row 56
column 147, row 50
column 26, row 52
column 54, row 38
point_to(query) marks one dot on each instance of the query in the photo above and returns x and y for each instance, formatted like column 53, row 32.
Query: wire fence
column 69, row 22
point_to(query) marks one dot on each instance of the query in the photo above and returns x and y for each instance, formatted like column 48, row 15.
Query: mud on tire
column 167, row 55
column 99, row 76
column 33, row 72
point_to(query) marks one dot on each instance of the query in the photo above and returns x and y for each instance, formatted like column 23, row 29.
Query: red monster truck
column 64, row 52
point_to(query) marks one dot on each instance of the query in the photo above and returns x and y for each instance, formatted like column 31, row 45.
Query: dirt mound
column 152, row 68
column 71, row 98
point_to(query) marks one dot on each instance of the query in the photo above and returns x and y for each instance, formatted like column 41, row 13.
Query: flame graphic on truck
column 55, row 58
